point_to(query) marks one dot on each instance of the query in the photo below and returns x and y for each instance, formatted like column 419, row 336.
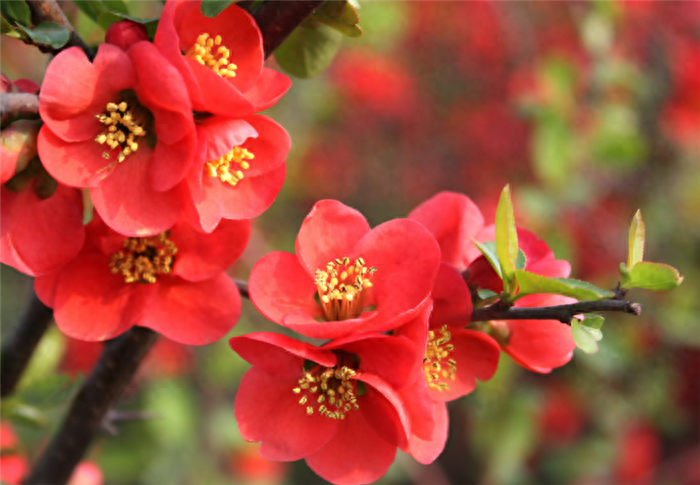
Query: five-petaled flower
column 173, row 283
column 345, row 278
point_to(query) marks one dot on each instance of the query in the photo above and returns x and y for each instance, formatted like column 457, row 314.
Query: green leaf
column 553, row 151
column 584, row 338
column 212, row 8
column 341, row 15
column 49, row 392
column 650, row 276
column 309, row 49
column 91, row 8
column 521, row 260
column 16, row 11
column 106, row 19
column 18, row 412
column 635, row 252
column 116, row 6
column 7, row 29
column 594, row 323
column 531, row 283
column 488, row 249
column 48, row 33
column 506, row 240
column 485, row 294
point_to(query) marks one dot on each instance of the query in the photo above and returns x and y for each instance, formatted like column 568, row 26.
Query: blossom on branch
column 345, row 278
column 173, row 283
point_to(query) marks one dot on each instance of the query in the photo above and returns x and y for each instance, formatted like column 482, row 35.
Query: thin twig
column 18, row 103
column 18, row 349
column 117, row 365
column 243, row 288
column 563, row 313
column 278, row 18
column 50, row 11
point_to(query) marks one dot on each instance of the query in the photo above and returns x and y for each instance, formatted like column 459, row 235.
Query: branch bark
column 50, row 11
column 278, row 18
column 18, row 349
column 18, row 103
column 118, row 363
column 563, row 313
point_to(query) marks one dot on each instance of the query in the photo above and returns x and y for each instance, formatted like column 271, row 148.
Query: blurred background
column 590, row 110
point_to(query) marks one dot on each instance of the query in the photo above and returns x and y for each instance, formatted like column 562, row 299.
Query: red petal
column 554, row 268
column 278, row 355
column 218, row 95
column 251, row 196
column 426, row 452
column 540, row 345
column 330, row 231
column 203, row 256
column 278, row 285
column 270, row 147
column 419, row 407
column 454, row 220
column 267, row 410
column 268, row 90
column 222, row 134
column 129, row 205
column 170, row 163
column 452, row 300
column 194, row 313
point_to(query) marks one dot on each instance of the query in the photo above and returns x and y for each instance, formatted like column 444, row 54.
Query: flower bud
column 17, row 147
column 125, row 33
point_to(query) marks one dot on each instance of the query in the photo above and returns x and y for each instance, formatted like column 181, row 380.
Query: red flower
column 123, row 126
column 336, row 406
column 42, row 225
column 13, row 465
column 538, row 345
column 244, row 169
column 365, row 280
column 454, row 357
column 221, row 59
column 125, row 33
column 172, row 283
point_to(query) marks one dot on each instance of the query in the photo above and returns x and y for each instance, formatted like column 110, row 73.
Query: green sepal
column 212, row 8
column 635, row 252
column 341, row 15
column 650, row 276
column 49, row 391
column 16, row 12
column 506, row 240
column 531, row 283
column 309, row 49
column 48, row 33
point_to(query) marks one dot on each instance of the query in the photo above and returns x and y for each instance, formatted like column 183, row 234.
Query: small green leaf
column 309, row 49
column 531, row 283
column 212, row 8
column 650, row 276
column 521, row 260
column 506, row 240
column 48, row 392
column 21, row 413
column 16, row 11
column 636, row 240
column 341, row 15
column 91, row 8
column 485, row 294
column 48, row 33
column 584, row 339
column 593, row 322
column 488, row 249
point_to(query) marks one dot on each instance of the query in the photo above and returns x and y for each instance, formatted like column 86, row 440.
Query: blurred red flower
column 13, row 464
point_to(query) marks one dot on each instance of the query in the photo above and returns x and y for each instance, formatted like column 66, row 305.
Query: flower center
column 343, row 287
column 122, row 129
column 143, row 258
column 210, row 53
column 223, row 170
column 437, row 364
column 331, row 392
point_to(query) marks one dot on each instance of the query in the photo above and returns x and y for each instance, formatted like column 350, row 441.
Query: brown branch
column 18, row 349
column 117, row 365
column 50, row 11
column 563, row 313
column 18, row 103
column 243, row 288
column 278, row 18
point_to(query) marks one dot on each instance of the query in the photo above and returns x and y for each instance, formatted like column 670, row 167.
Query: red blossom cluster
column 163, row 139
column 393, row 305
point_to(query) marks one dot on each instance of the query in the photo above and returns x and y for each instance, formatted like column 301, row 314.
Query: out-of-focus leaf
column 506, row 240
column 355, row 4
column 212, row 8
column 48, row 33
column 650, row 276
column 106, row 19
column 635, row 250
column 617, row 142
column 531, row 283
column 16, row 12
column 488, row 249
column 116, row 6
column 309, row 49
column 341, row 15
column 91, row 8
column 51, row 391
column 586, row 338
column 6, row 29
column 553, row 147
column 20, row 413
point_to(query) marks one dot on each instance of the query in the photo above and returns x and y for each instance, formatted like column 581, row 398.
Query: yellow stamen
column 210, row 53
column 143, row 258
column 224, row 169
column 343, row 288
column 121, row 130
column 438, row 364
column 337, row 386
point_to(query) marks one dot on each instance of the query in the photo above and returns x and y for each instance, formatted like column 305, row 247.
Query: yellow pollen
column 121, row 130
column 438, row 365
column 343, row 287
column 210, row 53
column 143, row 258
column 224, row 169
column 335, row 386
